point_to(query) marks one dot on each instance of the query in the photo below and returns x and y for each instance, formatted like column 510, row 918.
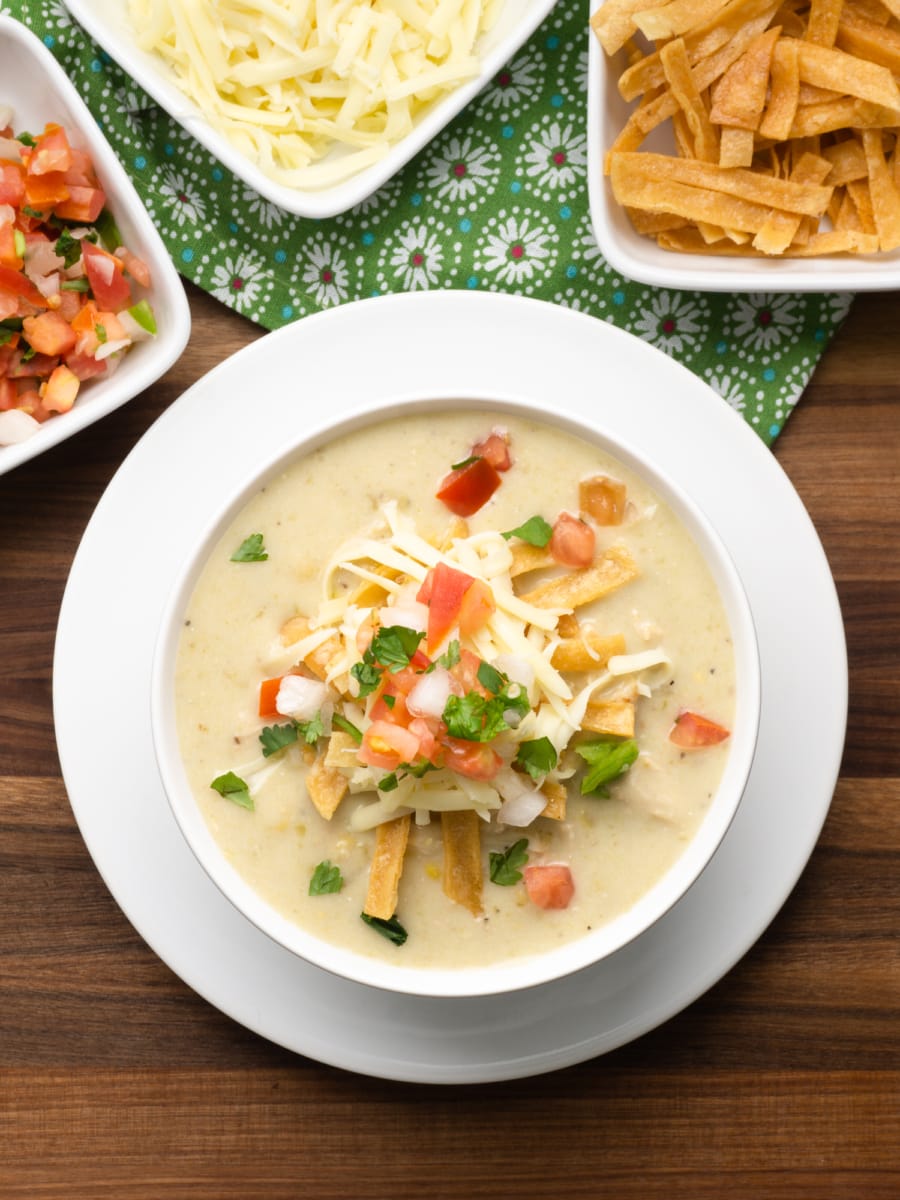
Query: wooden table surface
column 116, row 1080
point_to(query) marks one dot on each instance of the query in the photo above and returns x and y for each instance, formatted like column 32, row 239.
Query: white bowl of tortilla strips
column 735, row 145
column 456, row 698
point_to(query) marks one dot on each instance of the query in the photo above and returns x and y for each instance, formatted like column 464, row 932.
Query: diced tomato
column 8, row 393
column 268, row 694
column 48, row 333
column 51, row 153
column 387, row 745
column 468, row 488
column 603, row 499
column 30, row 402
column 136, row 267
column 12, row 184
column 9, row 304
column 465, row 672
column 60, row 390
column 106, row 276
column 477, row 607
column 691, row 731
column 85, row 366
column 572, row 541
column 17, row 284
column 81, row 204
column 442, row 590
column 389, row 703
column 495, row 448
column 45, row 191
column 549, row 885
column 475, row 760
column 429, row 747
column 38, row 366
column 7, row 353
column 70, row 305
column 81, row 170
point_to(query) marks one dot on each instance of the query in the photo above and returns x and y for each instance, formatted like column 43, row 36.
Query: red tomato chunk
column 469, row 487
column 691, row 731
column 550, row 885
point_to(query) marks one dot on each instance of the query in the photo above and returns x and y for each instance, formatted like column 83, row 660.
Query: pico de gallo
column 71, row 294
column 433, row 681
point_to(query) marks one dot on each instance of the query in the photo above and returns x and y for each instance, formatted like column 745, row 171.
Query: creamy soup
column 347, row 565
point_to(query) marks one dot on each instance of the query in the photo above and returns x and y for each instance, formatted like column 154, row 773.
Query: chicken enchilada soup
column 454, row 688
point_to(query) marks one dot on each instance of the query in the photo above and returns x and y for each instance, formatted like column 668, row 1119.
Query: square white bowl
column 108, row 24
column 641, row 259
column 34, row 85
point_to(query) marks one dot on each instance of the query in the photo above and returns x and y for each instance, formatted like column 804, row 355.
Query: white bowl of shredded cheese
column 314, row 105
column 292, row 807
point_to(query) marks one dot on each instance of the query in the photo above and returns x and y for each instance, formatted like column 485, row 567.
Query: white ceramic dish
column 641, row 259
column 134, row 839
column 36, row 87
column 370, row 404
column 108, row 24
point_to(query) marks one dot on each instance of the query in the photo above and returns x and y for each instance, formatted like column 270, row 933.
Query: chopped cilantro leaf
column 26, row 138
column 504, row 868
column 341, row 722
column 390, row 701
column 28, row 353
column 536, row 531
column 466, row 462
column 607, row 760
column 392, row 929
column 6, row 335
column 75, row 285
column 490, row 678
column 389, row 783
column 475, row 719
column 275, row 737
column 367, row 675
column 102, row 335
column 233, row 788
column 537, row 757
column 393, row 646
column 251, row 549
column 450, row 657
column 326, row 878
column 311, row 730
column 108, row 230
column 26, row 208
column 69, row 249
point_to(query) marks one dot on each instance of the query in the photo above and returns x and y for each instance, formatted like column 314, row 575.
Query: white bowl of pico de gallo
column 92, row 310
column 478, row 724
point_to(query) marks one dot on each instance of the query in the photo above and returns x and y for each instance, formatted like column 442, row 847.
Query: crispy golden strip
column 835, row 241
column 883, row 191
column 320, row 659
column 784, row 92
column 652, row 223
column 326, row 786
column 341, row 751
column 782, row 228
column 461, row 833
column 740, row 96
column 822, row 22
column 862, row 200
column 614, row 717
column 568, row 626
column 865, row 39
column 613, row 22
column 391, row 839
column 367, row 593
column 677, row 69
column 747, row 186
column 612, row 570
column 556, row 794
column 587, row 652
column 847, row 74
column 676, row 17
column 735, row 147
column 847, row 113
column 848, row 161
column 526, row 557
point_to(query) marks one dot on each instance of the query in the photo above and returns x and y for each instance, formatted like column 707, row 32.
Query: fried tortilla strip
column 673, row 19
column 458, row 528
column 526, row 557
column 556, row 794
column 762, row 191
column 822, row 22
column 784, row 92
column 613, row 717
column 568, row 626
column 883, row 191
column 612, row 570
column 835, row 241
column 586, row 652
column 326, row 786
column 740, row 95
column 735, row 147
column 839, row 115
column 461, row 833
column 848, row 161
column 320, row 660
column 847, row 74
column 613, row 22
column 650, row 224
column 866, row 39
column 391, row 838
column 782, row 228
column 862, row 201
column 677, row 68
column 367, row 593
column 341, row 751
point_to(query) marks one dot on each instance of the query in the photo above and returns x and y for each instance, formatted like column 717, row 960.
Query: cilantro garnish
column 607, row 760
column 466, row 462
column 390, row 649
column 276, row 737
column 102, row 335
column 536, row 531
column 28, row 353
column 251, row 549
column 489, row 677
column 75, row 285
column 537, row 757
column 390, row 701
column 341, row 722
column 476, row 718
column 450, row 657
column 367, row 675
column 68, row 248
column 392, row 929
column 108, row 230
column 311, row 730
column 326, row 878
column 389, row 783
column 6, row 335
column 504, row 868
column 233, row 788
column 27, row 139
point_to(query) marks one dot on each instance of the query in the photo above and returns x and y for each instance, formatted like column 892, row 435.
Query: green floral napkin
column 497, row 202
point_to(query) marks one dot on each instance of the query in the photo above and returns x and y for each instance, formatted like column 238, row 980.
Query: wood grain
column 782, row 1081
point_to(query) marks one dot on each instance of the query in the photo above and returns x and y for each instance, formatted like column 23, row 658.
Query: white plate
column 235, row 418
column 108, row 24
column 36, row 87
column 641, row 259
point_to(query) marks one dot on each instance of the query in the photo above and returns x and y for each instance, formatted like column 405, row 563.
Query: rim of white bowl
column 512, row 974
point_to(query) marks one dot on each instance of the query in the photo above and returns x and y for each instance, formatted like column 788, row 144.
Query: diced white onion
column 47, row 285
column 410, row 614
column 134, row 329
column 430, row 694
column 522, row 801
column 16, row 426
column 106, row 349
column 300, row 697
column 516, row 668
